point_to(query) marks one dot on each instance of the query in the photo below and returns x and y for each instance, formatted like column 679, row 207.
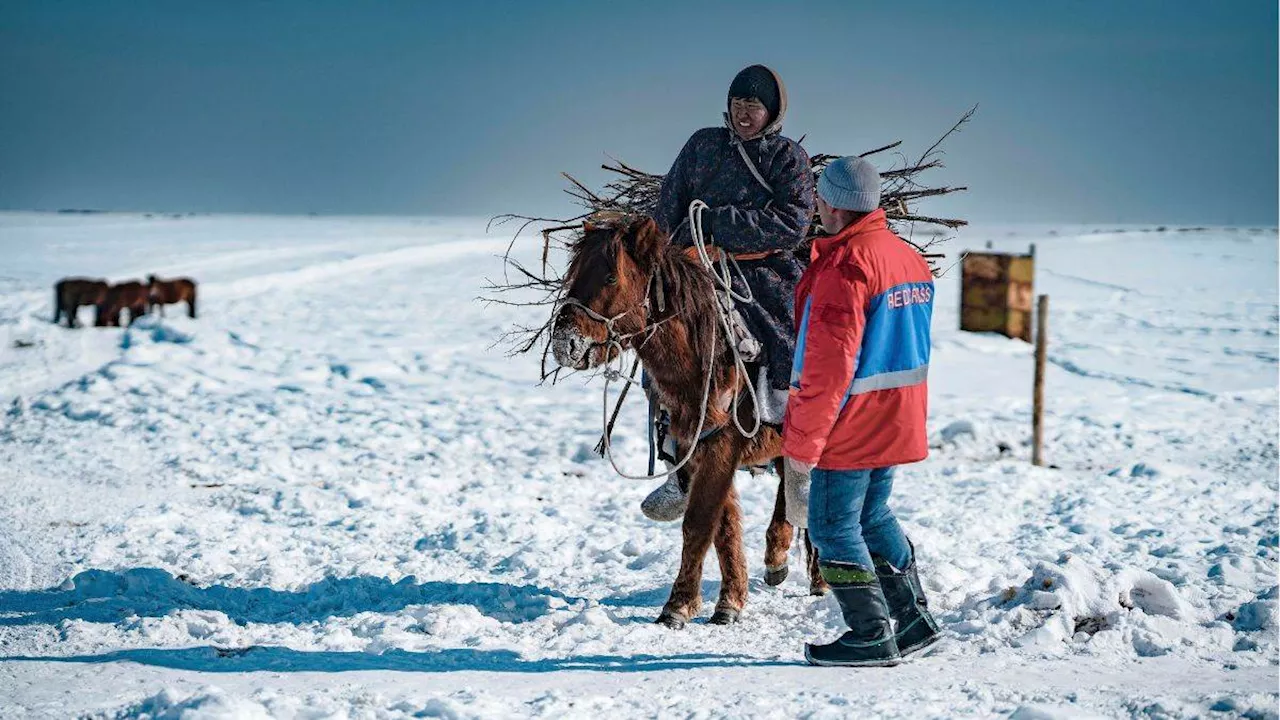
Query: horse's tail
column 191, row 301
column 57, row 303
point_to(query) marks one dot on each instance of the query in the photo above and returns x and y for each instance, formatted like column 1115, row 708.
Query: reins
column 615, row 340
column 724, row 307
column 722, row 276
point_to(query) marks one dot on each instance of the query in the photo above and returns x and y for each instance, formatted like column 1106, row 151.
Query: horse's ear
column 648, row 242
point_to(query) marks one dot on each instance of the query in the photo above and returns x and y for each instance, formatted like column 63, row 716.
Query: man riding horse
column 759, row 190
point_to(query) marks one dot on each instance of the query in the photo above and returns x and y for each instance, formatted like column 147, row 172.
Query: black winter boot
column 916, row 628
column 869, row 642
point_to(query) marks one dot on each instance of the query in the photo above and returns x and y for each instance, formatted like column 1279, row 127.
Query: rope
column 614, row 340
column 608, row 429
column 699, row 242
column 724, row 307
column 750, row 165
column 702, row 417
column 723, row 278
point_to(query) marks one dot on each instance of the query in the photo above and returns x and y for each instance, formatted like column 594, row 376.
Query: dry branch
column 634, row 191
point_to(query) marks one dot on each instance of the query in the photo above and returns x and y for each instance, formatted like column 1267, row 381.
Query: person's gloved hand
column 796, row 490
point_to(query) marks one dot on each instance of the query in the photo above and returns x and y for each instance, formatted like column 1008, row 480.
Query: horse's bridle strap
column 612, row 336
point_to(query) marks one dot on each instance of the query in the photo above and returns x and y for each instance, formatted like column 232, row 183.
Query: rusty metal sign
column 996, row 292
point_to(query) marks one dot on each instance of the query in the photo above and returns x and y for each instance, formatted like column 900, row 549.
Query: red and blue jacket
column 859, row 395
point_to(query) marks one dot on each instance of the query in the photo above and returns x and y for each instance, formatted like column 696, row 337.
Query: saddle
column 749, row 347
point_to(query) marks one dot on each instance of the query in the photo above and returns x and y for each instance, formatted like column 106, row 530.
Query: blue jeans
column 849, row 519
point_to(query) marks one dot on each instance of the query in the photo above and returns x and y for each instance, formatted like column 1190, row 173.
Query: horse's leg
column 777, row 539
column 817, row 586
column 710, row 482
column 733, row 562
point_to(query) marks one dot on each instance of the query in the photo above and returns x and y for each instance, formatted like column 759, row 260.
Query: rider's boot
column 668, row 501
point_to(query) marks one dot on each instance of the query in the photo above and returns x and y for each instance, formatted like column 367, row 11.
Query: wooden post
column 1037, row 417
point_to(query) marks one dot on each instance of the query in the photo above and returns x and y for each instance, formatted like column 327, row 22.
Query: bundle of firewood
column 634, row 191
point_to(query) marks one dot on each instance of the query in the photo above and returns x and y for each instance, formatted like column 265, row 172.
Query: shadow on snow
column 109, row 597
column 261, row 658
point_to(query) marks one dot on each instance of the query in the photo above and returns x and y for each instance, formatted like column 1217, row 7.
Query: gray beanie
column 850, row 183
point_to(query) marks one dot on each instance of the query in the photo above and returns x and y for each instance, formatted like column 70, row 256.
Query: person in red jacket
column 857, row 408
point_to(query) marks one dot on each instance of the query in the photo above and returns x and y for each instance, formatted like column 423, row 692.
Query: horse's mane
column 687, row 288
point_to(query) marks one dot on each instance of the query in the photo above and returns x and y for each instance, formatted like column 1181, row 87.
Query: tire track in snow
column 1075, row 369
column 416, row 256
column 1093, row 283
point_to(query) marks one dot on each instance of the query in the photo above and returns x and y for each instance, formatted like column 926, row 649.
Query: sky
column 1088, row 111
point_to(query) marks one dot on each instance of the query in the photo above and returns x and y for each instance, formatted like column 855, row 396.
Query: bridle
column 614, row 339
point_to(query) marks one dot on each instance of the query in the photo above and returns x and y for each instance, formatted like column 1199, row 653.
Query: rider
column 759, row 190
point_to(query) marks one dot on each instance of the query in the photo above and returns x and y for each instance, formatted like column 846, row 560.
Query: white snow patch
column 327, row 496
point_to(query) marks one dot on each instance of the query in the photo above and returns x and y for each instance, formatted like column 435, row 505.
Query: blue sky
column 1089, row 111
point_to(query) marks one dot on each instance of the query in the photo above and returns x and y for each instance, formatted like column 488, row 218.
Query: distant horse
column 168, row 292
column 132, row 296
column 69, row 294
column 627, row 287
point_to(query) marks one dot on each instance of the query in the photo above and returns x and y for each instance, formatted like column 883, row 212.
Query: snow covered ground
column 328, row 497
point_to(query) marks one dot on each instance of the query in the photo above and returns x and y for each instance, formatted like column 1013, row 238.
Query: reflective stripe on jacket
column 859, row 392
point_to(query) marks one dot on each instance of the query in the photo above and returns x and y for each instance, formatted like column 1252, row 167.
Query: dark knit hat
column 757, row 82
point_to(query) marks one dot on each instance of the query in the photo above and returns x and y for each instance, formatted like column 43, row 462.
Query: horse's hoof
column 819, row 589
column 775, row 576
column 725, row 616
column 674, row 621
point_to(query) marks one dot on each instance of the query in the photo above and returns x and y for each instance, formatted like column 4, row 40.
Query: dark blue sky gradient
column 1090, row 111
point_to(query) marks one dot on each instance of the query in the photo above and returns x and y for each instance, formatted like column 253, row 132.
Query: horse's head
column 606, row 289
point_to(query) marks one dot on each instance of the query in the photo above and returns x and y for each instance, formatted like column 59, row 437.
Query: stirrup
column 667, row 502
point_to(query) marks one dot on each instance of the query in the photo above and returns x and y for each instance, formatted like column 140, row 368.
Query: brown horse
column 627, row 287
column 69, row 294
column 168, row 292
column 132, row 296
